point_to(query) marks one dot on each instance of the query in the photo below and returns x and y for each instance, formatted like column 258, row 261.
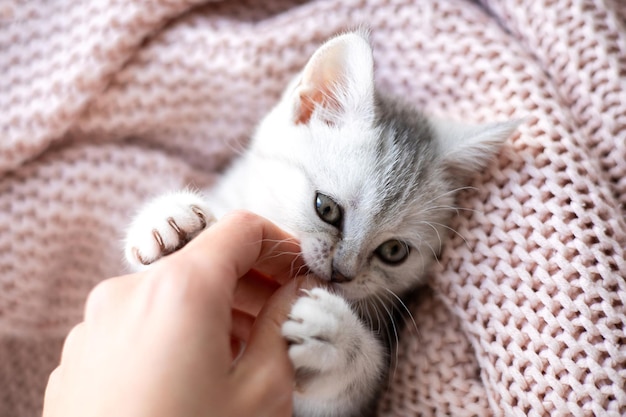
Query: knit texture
column 104, row 103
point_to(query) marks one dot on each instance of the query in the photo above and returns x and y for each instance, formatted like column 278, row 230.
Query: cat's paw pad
column 165, row 225
column 318, row 330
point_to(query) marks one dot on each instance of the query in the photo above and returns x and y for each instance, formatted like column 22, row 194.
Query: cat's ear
column 467, row 149
column 337, row 82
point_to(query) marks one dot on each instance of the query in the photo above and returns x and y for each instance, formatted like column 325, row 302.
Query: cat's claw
column 138, row 257
column 201, row 215
column 164, row 226
column 294, row 340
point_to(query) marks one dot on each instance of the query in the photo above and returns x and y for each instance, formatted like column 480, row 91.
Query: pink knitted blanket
column 106, row 102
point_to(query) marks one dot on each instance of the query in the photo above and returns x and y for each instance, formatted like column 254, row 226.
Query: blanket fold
column 106, row 103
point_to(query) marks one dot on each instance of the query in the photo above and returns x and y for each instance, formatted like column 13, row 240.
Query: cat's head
column 366, row 183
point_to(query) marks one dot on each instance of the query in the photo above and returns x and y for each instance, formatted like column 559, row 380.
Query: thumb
column 266, row 343
column 264, row 367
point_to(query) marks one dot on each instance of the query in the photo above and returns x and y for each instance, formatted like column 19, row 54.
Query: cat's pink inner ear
column 321, row 83
column 307, row 100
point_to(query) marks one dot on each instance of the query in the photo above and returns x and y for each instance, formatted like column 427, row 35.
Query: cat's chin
column 351, row 292
column 333, row 287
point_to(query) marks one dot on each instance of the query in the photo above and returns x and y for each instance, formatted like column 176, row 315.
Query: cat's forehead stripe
column 405, row 153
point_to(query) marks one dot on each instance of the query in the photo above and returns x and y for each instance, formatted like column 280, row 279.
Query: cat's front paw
column 322, row 331
column 165, row 225
column 338, row 361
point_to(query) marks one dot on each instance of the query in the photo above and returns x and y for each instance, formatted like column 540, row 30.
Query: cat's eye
column 328, row 210
column 393, row 252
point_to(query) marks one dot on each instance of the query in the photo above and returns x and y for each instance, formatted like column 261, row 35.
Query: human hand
column 158, row 343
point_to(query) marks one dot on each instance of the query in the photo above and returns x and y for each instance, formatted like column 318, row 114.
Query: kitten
column 367, row 185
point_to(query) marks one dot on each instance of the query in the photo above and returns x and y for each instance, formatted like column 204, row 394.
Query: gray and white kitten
column 367, row 185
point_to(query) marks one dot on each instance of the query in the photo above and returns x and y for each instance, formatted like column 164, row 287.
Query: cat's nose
column 339, row 278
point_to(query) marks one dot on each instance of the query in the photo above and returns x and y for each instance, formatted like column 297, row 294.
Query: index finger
column 239, row 242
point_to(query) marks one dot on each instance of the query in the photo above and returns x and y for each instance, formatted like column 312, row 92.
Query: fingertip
column 97, row 299
column 242, row 240
column 108, row 295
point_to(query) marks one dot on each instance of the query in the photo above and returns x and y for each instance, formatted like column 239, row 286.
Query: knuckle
column 99, row 297
column 54, row 378
column 72, row 341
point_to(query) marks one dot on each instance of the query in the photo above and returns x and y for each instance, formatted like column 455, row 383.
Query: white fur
column 471, row 146
column 325, row 332
column 333, row 151
column 140, row 240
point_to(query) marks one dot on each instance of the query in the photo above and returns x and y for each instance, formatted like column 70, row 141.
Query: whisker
column 423, row 262
column 404, row 306
column 379, row 321
column 434, row 254
column 366, row 311
column 278, row 242
column 391, row 375
column 395, row 332
column 454, row 191
column 452, row 208
column 453, row 230
column 436, row 231
column 300, row 269
column 237, row 147
column 278, row 255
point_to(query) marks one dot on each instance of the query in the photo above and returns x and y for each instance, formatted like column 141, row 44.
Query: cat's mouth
column 314, row 279
column 349, row 287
